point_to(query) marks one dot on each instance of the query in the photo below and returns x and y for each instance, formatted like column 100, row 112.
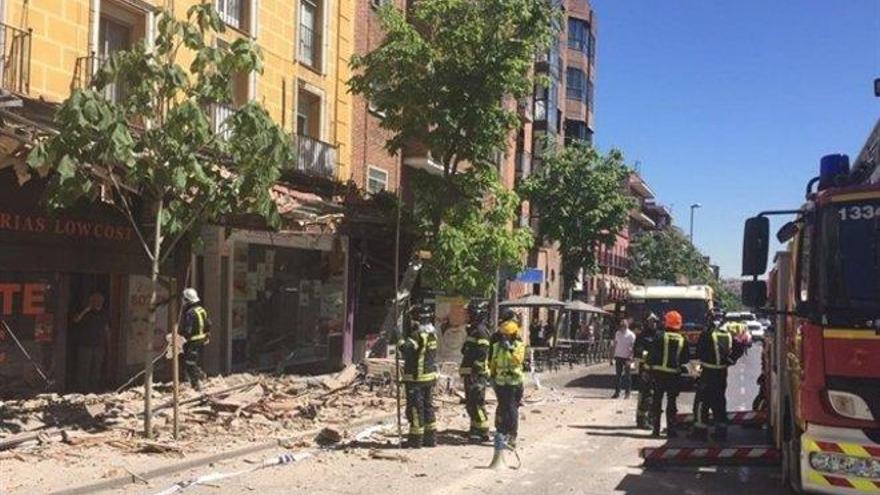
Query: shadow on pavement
column 593, row 381
column 604, row 427
column 701, row 481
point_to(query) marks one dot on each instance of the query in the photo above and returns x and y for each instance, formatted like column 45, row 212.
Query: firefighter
column 506, row 371
column 666, row 358
column 644, row 341
column 474, row 369
column 717, row 350
column 196, row 329
column 418, row 349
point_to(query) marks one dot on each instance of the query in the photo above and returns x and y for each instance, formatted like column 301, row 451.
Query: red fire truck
column 822, row 361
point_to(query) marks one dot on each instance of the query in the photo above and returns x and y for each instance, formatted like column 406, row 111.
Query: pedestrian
column 474, row 369
column 716, row 350
column 92, row 336
column 419, row 350
column 667, row 357
column 644, row 341
column 196, row 329
column 506, row 371
column 621, row 357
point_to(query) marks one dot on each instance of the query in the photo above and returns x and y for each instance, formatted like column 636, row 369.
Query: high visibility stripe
column 855, row 197
column 713, row 366
column 844, row 334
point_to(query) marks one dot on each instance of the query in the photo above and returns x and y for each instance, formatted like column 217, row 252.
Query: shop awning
column 532, row 301
column 583, row 307
column 616, row 282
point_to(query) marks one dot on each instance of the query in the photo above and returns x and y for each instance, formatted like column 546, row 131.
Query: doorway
column 81, row 287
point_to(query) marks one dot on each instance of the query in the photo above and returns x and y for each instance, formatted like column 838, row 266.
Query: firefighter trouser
column 475, row 402
column 665, row 384
column 507, row 412
column 711, row 395
column 420, row 407
column 192, row 359
column 643, row 409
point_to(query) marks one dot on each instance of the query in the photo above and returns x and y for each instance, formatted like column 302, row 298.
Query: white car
column 756, row 330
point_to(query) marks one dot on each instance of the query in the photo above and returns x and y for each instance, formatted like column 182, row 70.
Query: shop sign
column 25, row 307
column 66, row 227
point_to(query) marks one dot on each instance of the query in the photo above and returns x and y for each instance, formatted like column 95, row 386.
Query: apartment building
column 274, row 297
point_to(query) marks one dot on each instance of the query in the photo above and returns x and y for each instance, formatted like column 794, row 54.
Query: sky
column 731, row 104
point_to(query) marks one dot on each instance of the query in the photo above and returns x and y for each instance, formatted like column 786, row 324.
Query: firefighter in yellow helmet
column 506, row 370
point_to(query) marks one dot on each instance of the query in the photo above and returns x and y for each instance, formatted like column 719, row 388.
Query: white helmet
column 190, row 295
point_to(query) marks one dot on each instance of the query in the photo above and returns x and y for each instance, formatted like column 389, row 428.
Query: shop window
column 287, row 304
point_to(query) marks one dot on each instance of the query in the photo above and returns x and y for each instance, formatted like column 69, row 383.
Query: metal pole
column 396, row 309
column 691, row 236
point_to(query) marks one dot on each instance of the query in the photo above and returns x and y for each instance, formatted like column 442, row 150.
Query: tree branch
column 170, row 247
column 130, row 214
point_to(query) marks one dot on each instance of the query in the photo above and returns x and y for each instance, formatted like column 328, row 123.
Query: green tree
column 169, row 169
column 581, row 200
column 443, row 78
column 669, row 257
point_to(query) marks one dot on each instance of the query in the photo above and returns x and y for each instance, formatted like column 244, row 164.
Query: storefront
column 50, row 264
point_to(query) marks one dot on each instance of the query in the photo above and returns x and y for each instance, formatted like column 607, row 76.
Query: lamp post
column 693, row 207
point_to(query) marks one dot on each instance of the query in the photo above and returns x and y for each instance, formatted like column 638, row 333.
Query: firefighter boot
column 430, row 439
column 413, row 442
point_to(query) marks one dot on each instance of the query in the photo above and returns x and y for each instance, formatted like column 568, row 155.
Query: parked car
column 756, row 330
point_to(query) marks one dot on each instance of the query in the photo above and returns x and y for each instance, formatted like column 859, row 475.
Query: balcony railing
column 309, row 46
column 15, row 68
column 315, row 157
column 219, row 114
column 84, row 74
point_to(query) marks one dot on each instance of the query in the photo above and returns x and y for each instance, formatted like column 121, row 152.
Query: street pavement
column 574, row 439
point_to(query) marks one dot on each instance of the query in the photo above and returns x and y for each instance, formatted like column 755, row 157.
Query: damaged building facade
column 276, row 299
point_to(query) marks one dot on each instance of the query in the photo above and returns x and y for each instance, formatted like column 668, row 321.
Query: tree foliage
column 475, row 236
column 669, row 257
column 443, row 79
column 580, row 197
column 155, row 147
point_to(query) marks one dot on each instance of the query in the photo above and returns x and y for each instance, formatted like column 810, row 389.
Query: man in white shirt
column 624, row 340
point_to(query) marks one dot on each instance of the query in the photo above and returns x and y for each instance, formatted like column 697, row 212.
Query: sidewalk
column 90, row 462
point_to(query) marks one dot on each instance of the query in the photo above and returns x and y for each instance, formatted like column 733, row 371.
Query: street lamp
column 693, row 207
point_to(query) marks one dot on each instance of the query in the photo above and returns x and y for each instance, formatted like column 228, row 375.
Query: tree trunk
column 151, row 325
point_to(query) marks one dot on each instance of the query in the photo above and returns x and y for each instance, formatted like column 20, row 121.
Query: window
column 576, row 130
column 578, row 35
column 575, row 85
column 239, row 96
column 310, row 34
column 377, row 180
column 590, row 93
column 113, row 36
column 308, row 114
column 232, row 12
column 804, row 262
column 592, row 48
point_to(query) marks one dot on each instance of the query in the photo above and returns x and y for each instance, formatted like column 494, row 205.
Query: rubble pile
column 243, row 406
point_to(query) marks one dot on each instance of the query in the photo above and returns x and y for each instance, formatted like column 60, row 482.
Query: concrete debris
column 242, row 407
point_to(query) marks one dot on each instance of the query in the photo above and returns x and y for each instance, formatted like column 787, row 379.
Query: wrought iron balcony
column 315, row 157
column 15, row 68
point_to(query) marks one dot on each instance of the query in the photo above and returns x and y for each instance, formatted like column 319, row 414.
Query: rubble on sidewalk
column 243, row 406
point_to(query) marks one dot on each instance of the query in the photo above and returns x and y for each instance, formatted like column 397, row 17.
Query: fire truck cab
column 822, row 362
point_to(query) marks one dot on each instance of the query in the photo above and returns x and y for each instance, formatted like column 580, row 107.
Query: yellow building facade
column 306, row 44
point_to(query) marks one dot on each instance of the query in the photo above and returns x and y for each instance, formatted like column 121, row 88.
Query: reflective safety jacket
column 717, row 349
column 419, row 351
column 506, row 364
column 196, row 325
column 667, row 353
column 475, row 353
